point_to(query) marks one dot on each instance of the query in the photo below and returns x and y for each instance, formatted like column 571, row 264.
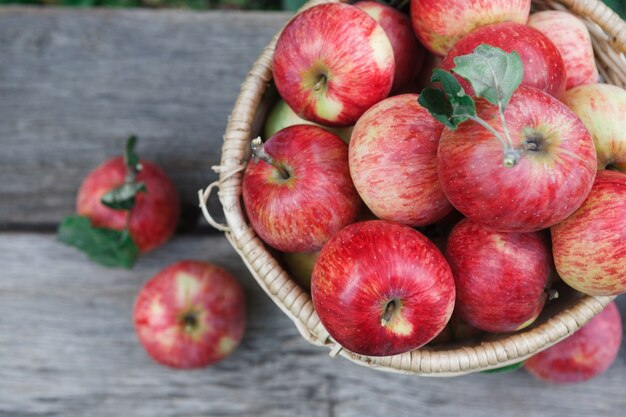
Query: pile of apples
column 354, row 172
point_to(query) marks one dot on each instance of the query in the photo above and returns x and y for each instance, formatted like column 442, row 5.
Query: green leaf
column 508, row 368
column 450, row 106
column 105, row 246
column 131, row 158
column 494, row 74
column 123, row 197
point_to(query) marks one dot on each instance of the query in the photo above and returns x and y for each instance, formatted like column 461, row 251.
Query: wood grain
column 67, row 348
column 74, row 84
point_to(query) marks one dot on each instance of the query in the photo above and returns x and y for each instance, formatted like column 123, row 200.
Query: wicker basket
column 560, row 319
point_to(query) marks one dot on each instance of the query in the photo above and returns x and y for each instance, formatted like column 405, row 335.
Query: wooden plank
column 74, row 84
column 67, row 348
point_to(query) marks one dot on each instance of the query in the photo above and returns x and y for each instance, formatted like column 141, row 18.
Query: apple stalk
column 259, row 153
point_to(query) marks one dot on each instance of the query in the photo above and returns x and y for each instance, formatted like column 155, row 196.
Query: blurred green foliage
column 618, row 5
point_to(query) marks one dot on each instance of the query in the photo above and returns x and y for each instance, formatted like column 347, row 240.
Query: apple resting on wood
column 393, row 162
column 191, row 314
column 332, row 62
column 381, row 288
column 439, row 24
column 584, row 355
column 589, row 247
column 500, row 278
column 298, row 192
column 543, row 65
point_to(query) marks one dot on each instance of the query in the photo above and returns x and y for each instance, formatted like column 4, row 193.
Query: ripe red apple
column 393, row 162
column 332, row 62
column 570, row 35
column 305, row 195
column 584, row 355
column 550, row 181
column 439, row 24
column 543, row 65
column 381, row 288
column 602, row 107
column 456, row 330
column 590, row 246
column 154, row 217
column 407, row 51
column 500, row 277
column 190, row 315
column 431, row 62
column 282, row 116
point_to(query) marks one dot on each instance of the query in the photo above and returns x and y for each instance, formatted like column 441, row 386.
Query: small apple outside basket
column 560, row 317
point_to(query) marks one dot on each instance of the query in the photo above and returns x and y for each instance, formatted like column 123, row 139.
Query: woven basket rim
column 296, row 303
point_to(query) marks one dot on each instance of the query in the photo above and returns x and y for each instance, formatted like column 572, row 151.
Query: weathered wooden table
column 73, row 85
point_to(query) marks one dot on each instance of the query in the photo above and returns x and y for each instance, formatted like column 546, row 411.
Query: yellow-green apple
column 393, row 162
column 153, row 218
column 570, row 35
column 589, row 247
column 299, row 192
column 550, row 181
column 381, row 288
column 189, row 315
column 332, row 62
column 500, row 277
column 584, row 355
column 282, row 116
column 602, row 108
column 300, row 266
column 407, row 51
column 439, row 24
column 543, row 65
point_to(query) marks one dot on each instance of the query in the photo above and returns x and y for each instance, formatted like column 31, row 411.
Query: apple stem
column 390, row 308
column 320, row 83
column 511, row 156
column 190, row 321
column 258, row 152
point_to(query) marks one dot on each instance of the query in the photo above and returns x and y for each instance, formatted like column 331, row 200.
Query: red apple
column 570, row 35
column 282, row 116
column 456, row 330
column 439, row 24
column 190, row 315
column 407, row 51
column 299, row 202
column 381, row 288
column 590, row 246
column 431, row 62
column 332, row 62
column 393, row 162
column 550, row 181
column 584, row 355
column 543, row 65
column 602, row 107
column 154, row 217
column 500, row 277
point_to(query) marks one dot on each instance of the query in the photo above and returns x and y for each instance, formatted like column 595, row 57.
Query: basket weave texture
column 608, row 33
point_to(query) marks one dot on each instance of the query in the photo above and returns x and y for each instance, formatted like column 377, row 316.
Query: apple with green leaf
column 543, row 66
column 332, row 62
column 439, row 24
column 516, row 159
column 190, row 315
column 126, row 206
